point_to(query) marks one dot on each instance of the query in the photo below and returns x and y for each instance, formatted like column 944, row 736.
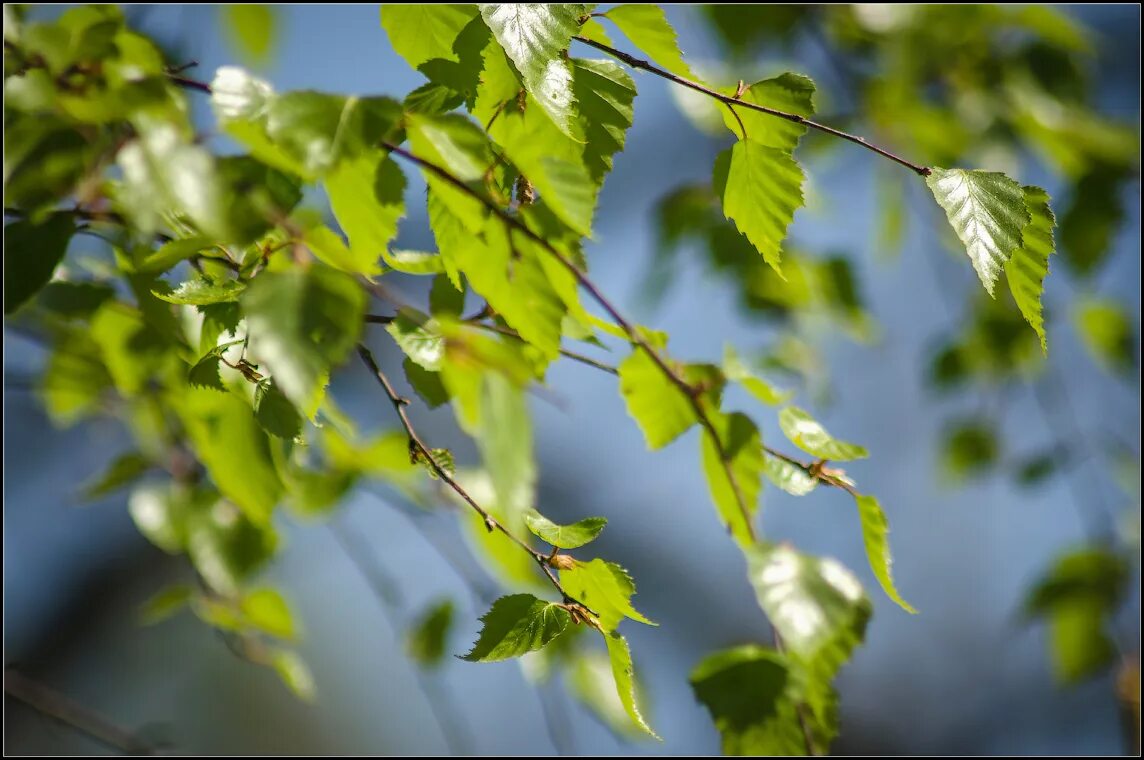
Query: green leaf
column 969, row 447
column 32, row 251
column 274, row 412
column 367, row 197
column 294, row 672
column 202, row 291
column 761, row 188
column 817, row 605
column 622, row 671
column 790, row 93
column 606, row 588
column 75, row 378
column 423, row 32
column 736, row 371
column 1029, row 265
column 413, row 262
column 165, row 604
column 753, row 702
column 875, row 535
column 429, row 635
column 806, row 433
column 159, row 513
column 74, row 300
column 1077, row 596
column 591, row 681
column 743, row 447
column 1107, row 332
column 233, row 447
column 571, row 536
column 427, row 384
column 987, row 211
column 124, row 470
column 515, row 625
column 302, row 323
column 1094, row 213
column 504, row 438
column 789, row 477
column 419, row 338
column 252, row 30
column 454, row 143
column 648, row 29
column 534, row 35
column 660, row 408
column 266, row 610
column 318, row 130
column 604, row 93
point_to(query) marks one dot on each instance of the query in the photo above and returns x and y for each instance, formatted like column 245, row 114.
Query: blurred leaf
column 202, row 291
column 165, row 604
column 266, row 610
column 591, row 681
column 74, row 300
column 987, row 211
column 817, row 605
column 660, row 408
column 606, row 588
column 875, row 535
column 969, row 447
column 806, row 433
column 430, row 633
column 367, row 196
column 789, row 477
column 564, row 536
column 294, row 672
column 75, row 378
column 252, row 30
column 124, row 470
column 421, row 33
column 427, row 384
column 749, row 692
column 302, row 323
column 1094, row 213
column 1037, row 468
column 32, row 251
column 515, row 625
column 274, row 412
column 743, row 448
column 1108, row 334
column 737, row 371
column 418, row 338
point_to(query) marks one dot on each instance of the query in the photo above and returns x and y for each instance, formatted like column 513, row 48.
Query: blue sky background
column 959, row 678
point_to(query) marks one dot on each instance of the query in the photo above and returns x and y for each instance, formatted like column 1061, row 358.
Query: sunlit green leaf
column 1029, row 265
column 743, row 448
column 648, row 29
column 790, row 93
column 564, row 536
column 515, row 625
column 875, row 535
column 606, row 588
column 806, row 433
column 622, row 671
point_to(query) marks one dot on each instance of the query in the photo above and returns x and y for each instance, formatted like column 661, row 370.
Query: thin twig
column 49, row 702
column 638, row 63
column 491, row 523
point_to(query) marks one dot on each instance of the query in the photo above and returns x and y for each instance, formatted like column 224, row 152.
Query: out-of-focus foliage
column 223, row 304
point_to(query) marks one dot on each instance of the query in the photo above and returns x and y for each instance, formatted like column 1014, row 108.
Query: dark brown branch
column 51, row 703
column 637, row 63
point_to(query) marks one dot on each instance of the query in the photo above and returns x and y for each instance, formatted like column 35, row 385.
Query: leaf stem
column 638, row 63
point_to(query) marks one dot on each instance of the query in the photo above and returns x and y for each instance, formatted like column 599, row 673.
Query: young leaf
column 737, row 371
column 124, row 470
column 165, row 604
column 367, row 196
column 564, row 536
column 427, row 384
column 429, row 635
column 294, row 672
column 203, row 291
column 413, row 262
column 32, row 250
column 1029, row 265
column 423, row 32
column 266, row 610
column 591, row 681
column 534, row 35
column 761, row 188
column 656, row 404
column 648, row 29
column 875, row 535
column 454, row 143
column 815, row 603
column 606, row 588
column 806, row 433
column 504, row 438
column 750, row 694
column 987, row 211
column 791, row 93
column 418, row 337
column 301, row 323
column 515, row 625
column 621, row 658
column 743, row 447
column 789, row 477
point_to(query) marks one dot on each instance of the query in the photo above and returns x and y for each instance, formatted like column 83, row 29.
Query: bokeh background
column 963, row 677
